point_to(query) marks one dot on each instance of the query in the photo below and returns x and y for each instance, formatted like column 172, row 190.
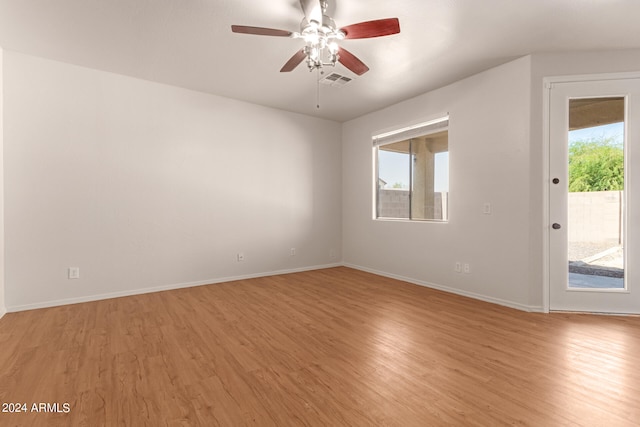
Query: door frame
column 546, row 150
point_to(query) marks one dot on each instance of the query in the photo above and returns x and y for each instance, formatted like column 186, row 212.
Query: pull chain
column 318, row 90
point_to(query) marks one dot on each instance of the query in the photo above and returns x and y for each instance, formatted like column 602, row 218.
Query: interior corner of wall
column 3, row 309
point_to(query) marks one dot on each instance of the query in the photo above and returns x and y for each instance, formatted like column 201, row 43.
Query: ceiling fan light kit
column 321, row 37
column 321, row 48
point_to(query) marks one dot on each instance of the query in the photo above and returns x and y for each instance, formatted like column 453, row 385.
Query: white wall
column 489, row 143
column 497, row 155
column 2, row 304
column 145, row 186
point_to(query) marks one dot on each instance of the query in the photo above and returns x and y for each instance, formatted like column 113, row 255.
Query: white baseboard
column 89, row 298
column 510, row 304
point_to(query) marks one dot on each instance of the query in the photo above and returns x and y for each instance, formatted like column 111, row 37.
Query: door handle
column 556, row 181
column 556, row 226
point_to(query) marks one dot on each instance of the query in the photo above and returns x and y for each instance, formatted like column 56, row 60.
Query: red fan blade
column 259, row 31
column 350, row 61
column 368, row 29
column 294, row 61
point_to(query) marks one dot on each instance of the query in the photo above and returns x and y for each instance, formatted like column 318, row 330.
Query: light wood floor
column 333, row 347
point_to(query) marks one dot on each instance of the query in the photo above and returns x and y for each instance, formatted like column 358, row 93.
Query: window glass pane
column 441, row 181
column 596, row 201
column 413, row 177
column 430, row 177
column 394, row 180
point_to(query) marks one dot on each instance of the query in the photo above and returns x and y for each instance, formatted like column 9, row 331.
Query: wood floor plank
column 327, row 347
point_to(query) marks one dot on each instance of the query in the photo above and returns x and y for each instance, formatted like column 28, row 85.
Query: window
column 412, row 172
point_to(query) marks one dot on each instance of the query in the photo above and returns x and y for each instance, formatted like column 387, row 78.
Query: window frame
column 436, row 125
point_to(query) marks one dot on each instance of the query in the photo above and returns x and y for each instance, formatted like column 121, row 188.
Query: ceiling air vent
column 335, row 79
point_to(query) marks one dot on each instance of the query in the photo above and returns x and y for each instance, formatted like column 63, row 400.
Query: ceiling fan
column 320, row 35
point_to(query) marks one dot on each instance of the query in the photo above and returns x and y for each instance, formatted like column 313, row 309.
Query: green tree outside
column 596, row 165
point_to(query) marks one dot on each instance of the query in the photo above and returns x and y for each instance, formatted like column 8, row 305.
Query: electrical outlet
column 486, row 208
column 332, row 253
column 293, row 251
column 240, row 257
column 458, row 267
column 73, row 272
column 467, row 268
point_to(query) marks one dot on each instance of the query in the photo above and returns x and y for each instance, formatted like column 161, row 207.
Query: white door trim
column 546, row 150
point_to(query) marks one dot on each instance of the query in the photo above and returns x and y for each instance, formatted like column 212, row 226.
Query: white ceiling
column 189, row 43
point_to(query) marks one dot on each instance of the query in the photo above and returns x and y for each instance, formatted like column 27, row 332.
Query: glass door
column 592, row 130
